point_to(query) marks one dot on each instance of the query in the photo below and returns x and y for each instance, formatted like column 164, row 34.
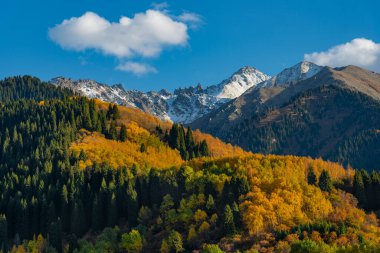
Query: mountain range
column 326, row 112
column 184, row 105
column 306, row 109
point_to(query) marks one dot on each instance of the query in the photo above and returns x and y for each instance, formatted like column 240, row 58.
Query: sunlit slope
column 280, row 198
column 118, row 154
column 149, row 122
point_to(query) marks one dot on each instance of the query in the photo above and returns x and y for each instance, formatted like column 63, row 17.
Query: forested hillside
column 77, row 175
column 334, row 115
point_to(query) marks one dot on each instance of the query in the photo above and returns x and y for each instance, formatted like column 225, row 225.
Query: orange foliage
column 145, row 120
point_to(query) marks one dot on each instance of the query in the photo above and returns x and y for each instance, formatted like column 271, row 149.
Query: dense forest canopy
column 76, row 176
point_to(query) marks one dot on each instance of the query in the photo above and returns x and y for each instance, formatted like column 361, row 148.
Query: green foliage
column 326, row 122
column 175, row 241
column 229, row 223
column 185, row 144
column 306, row 246
column 45, row 192
column 211, row 248
column 325, row 182
column 311, row 177
column 132, row 242
column 27, row 87
column 123, row 133
column 3, row 232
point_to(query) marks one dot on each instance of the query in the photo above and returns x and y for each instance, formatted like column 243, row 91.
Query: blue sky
column 222, row 37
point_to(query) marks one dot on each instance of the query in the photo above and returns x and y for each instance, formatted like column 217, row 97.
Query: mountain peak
column 301, row 71
column 242, row 80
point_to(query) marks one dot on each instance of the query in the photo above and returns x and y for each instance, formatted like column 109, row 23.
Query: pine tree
column 109, row 111
column 112, row 134
column 210, row 204
column 142, row 148
column 3, row 233
column 228, row 223
column 123, row 133
column 115, row 112
column 359, row 189
column 174, row 137
column 311, row 177
column 112, row 216
column 325, row 182
column 203, row 149
column 55, row 235
column 133, row 207
column 97, row 214
column 65, row 209
column 189, row 141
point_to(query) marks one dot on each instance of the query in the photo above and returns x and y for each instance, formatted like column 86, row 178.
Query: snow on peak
column 184, row 105
column 298, row 72
column 238, row 83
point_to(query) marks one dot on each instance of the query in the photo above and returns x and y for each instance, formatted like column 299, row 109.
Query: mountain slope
column 298, row 72
column 183, row 105
column 89, row 192
column 314, row 117
column 132, row 116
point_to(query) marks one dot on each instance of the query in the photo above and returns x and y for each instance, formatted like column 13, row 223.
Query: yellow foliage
column 130, row 114
column 280, row 197
column 217, row 147
column 149, row 122
column 117, row 154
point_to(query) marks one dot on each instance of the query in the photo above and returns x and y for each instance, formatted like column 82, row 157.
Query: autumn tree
column 175, row 241
column 131, row 242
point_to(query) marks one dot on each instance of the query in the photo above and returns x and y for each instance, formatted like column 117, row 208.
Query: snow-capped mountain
column 298, row 72
column 184, row 105
column 238, row 83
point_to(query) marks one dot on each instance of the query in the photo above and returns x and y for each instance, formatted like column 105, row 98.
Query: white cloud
column 360, row 52
column 136, row 68
column 144, row 35
column 192, row 19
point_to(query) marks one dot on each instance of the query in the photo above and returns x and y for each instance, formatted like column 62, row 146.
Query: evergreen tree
column 359, row 189
column 115, row 112
column 133, row 206
column 325, row 182
column 229, row 223
column 142, row 148
column 109, row 111
column 203, row 149
column 210, row 204
column 112, row 216
column 55, row 235
column 112, row 134
column 3, row 233
column 311, row 177
column 123, row 133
